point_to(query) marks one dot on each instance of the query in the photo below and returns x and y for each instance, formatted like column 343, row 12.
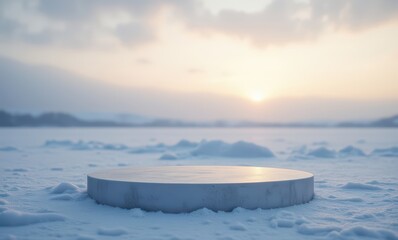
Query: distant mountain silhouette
column 53, row 119
column 49, row 120
column 383, row 122
column 386, row 122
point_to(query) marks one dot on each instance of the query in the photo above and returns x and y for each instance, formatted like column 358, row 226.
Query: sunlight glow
column 257, row 96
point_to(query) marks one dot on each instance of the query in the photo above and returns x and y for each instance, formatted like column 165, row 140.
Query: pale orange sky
column 253, row 50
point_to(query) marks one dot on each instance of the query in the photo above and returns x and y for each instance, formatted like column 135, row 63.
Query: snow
column 111, row 232
column 359, row 231
column 317, row 230
column 65, row 187
column 11, row 217
column 217, row 148
column 42, row 187
column 238, row 226
column 240, row 149
column 136, row 212
column 83, row 145
column 8, row 149
column 386, row 152
column 351, row 151
column 183, row 143
column 322, row 152
column 56, row 169
column 168, row 156
column 360, row 186
column 17, row 170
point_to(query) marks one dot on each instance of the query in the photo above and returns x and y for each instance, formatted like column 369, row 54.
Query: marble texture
column 176, row 189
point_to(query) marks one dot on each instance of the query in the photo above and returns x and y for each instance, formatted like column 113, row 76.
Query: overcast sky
column 256, row 59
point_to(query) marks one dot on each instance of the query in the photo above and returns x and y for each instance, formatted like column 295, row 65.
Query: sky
column 281, row 60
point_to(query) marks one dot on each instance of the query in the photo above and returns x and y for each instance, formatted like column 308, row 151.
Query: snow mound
column 3, row 202
column 238, row 226
column 168, row 156
column 360, row 231
column 17, row 170
column 161, row 147
column 285, row 219
column 351, row 151
column 240, row 210
column 82, row 237
column 317, row 230
column 56, row 169
column 239, row 149
column 375, row 182
column 158, row 148
column 4, row 194
column 202, row 212
column 137, row 212
column 386, row 152
column 65, row 187
column 11, row 217
column 111, row 232
column 355, row 199
column 322, row 152
column 360, row 186
column 183, row 143
column 8, row 149
column 63, row 197
column 84, row 145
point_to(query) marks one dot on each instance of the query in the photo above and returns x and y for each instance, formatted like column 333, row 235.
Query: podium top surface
column 200, row 174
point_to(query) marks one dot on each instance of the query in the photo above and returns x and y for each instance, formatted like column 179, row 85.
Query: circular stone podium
column 176, row 189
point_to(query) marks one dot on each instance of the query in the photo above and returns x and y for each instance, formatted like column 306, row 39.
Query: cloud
column 90, row 22
column 83, row 23
column 284, row 21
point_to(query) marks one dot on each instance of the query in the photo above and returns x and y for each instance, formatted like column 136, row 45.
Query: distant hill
column 49, row 120
column 389, row 122
column 386, row 122
column 54, row 119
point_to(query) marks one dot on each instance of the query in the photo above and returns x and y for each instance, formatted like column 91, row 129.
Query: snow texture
column 42, row 186
column 65, row 187
column 82, row 145
column 351, row 151
column 322, row 152
column 8, row 149
column 238, row 226
column 239, row 149
column 16, row 218
column 168, row 156
column 360, row 186
column 185, row 144
column 386, row 152
column 111, row 232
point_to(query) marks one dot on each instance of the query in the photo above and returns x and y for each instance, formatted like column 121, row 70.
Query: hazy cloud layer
column 285, row 21
column 90, row 22
column 78, row 23
column 52, row 89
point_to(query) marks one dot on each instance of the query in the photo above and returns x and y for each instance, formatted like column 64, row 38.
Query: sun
column 257, row 97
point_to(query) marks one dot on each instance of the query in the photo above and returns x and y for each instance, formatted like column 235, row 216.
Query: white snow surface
column 43, row 182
